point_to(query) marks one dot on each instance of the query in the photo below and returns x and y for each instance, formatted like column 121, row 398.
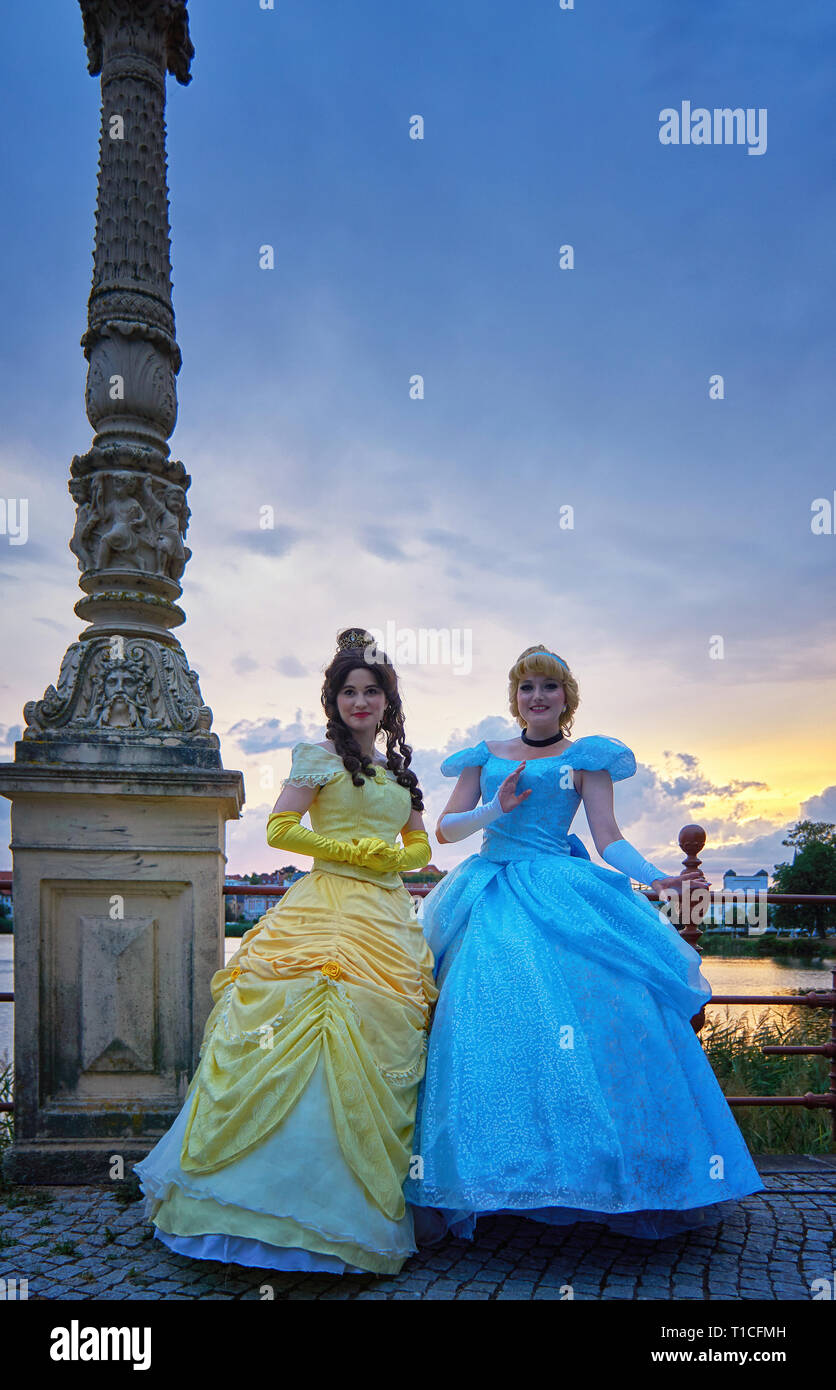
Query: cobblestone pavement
column 92, row 1243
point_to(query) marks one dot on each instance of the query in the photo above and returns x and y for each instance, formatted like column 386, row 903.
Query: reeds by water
column 733, row 1047
column 808, row 949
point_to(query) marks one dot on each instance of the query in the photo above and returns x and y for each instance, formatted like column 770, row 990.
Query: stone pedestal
column 119, row 927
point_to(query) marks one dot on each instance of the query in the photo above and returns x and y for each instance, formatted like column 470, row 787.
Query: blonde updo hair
column 536, row 661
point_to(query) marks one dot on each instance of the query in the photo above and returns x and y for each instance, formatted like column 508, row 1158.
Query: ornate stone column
column 126, row 681
column 119, row 797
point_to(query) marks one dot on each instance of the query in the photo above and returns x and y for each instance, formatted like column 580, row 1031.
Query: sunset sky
column 544, row 388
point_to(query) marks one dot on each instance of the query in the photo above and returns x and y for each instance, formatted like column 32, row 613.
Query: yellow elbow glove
column 283, row 829
column 416, row 852
column 371, row 852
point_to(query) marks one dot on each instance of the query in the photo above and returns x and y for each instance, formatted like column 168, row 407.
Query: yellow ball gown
column 295, row 1137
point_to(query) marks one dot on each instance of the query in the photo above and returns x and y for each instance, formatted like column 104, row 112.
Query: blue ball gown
column 564, row 1080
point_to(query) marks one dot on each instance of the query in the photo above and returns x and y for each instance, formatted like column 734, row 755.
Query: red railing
column 692, row 840
column 692, row 913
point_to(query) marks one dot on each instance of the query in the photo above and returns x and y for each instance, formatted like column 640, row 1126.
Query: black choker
column 540, row 742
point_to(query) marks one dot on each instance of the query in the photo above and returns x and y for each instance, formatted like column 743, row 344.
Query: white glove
column 457, row 825
column 622, row 855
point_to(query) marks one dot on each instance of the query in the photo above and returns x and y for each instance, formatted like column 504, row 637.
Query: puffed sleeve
column 312, row 766
column 598, row 753
column 468, row 757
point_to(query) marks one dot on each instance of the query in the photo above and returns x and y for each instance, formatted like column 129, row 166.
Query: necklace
column 540, row 742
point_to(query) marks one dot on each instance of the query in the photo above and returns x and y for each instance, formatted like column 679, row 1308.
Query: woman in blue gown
column 564, row 1078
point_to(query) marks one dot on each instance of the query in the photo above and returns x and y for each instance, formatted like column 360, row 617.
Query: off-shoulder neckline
column 385, row 766
column 550, row 758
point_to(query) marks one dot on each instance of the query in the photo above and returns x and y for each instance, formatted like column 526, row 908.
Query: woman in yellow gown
column 295, row 1137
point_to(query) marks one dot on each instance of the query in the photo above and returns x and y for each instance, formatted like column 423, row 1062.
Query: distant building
column 429, row 875
column 737, row 907
column 6, row 889
column 249, row 907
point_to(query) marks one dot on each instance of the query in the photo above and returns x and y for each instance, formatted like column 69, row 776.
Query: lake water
column 747, row 975
column 725, row 974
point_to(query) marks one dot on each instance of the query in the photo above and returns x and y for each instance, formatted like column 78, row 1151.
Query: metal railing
column 692, row 841
column 693, row 910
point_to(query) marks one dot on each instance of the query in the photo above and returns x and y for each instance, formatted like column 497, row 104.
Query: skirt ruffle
column 291, row 1203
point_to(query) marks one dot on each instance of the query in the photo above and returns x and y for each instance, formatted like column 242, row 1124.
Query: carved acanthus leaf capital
column 167, row 16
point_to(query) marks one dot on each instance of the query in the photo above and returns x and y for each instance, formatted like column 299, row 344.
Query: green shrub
column 800, row 947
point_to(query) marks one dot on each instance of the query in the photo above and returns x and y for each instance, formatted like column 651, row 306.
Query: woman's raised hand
column 508, row 798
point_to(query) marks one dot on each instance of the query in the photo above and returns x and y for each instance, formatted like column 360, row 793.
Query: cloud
column 821, row 807
column 243, row 664
column 290, row 666
column 50, row 622
column 651, row 809
column 494, row 557
column 696, row 785
column 385, row 549
column 23, row 556
column 274, row 541
column 265, row 735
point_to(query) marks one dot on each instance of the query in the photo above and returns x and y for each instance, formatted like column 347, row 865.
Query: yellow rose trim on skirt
column 332, row 969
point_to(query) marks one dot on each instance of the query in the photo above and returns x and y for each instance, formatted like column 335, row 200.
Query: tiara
column 354, row 639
